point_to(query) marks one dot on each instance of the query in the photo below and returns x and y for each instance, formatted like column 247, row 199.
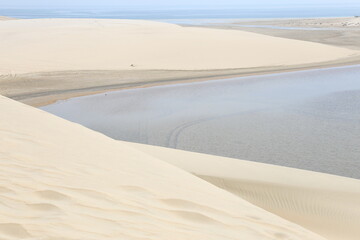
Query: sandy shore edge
column 153, row 78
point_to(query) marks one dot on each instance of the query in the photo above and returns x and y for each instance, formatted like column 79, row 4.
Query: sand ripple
column 60, row 180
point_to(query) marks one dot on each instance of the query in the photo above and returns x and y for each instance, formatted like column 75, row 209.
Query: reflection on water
column 308, row 119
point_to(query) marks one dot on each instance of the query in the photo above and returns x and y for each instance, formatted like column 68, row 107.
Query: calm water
column 258, row 12
column 308, row 119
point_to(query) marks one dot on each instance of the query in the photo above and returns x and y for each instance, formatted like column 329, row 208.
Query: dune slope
column 59, row 180
column 42, row 45
column 326, row 204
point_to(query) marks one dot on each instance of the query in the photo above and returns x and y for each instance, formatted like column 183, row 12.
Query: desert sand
column 72, row 182
column 42, row 57
column 60, row 180
column 43, row 45
column 325, row 204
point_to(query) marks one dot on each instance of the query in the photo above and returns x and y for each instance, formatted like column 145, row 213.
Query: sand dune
column 42, row 57
column 60, row 180
column 325, row 204
column 41, row 45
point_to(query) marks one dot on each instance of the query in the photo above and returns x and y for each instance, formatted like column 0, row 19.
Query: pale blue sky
column 172, row 3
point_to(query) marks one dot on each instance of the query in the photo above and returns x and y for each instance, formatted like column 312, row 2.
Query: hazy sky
column 171, row 3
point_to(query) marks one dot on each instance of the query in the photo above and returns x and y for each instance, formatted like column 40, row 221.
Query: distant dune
column 42, row 57
column 40, row 45
column 60, row 180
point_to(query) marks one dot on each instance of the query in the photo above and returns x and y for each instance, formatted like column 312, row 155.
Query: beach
column 62, row 180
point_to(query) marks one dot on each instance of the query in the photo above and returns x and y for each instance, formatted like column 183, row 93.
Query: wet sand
column 40, row 89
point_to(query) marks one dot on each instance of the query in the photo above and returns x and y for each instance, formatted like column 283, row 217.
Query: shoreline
column 237, row 117
column 40, row 99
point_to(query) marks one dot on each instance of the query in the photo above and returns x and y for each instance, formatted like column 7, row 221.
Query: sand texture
column 60, row 180
column 325, row 204
column 43, row 45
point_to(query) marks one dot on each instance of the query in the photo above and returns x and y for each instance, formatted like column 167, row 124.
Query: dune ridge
column 60, row 180
column 326, row 204
column 45, row 45
column 45, row 60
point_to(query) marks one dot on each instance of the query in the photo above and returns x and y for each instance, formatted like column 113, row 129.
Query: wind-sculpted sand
column 60, row 180
column 325, row 204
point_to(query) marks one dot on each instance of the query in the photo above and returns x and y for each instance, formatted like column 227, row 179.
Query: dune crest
column 43, row 45
column 61, row 180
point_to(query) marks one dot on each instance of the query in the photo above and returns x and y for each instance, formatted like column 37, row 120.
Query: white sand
column 40, row 45
column 60, row 180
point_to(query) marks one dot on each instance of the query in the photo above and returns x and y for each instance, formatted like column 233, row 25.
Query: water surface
column 144, row 12
column 308, row 119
